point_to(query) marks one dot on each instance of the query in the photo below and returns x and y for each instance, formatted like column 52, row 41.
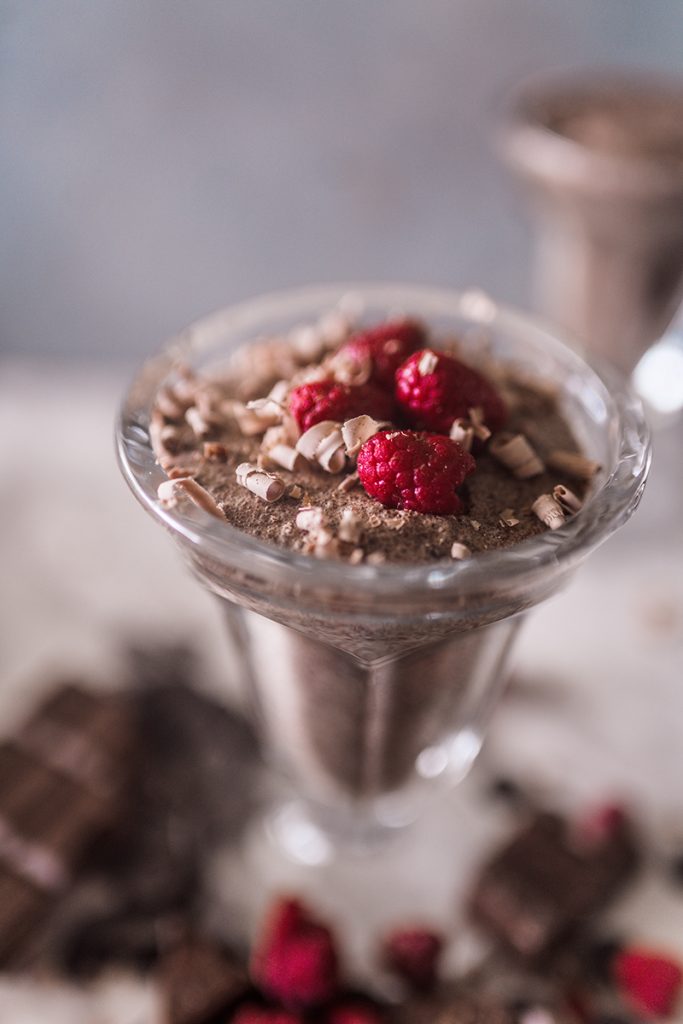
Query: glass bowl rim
column 609, row 506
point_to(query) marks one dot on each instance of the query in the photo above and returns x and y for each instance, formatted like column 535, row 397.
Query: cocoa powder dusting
column 401, row 536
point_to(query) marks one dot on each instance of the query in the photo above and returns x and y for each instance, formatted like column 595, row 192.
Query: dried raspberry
column 650, row 983
column 252, row 1014
column 433, row 389
column 419, row 472
column 414, row 954
column 328, row 400
column 387, row 345
column 599, row 826
column 296, row 961
column 355, row 1011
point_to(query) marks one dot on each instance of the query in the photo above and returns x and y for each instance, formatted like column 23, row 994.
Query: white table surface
column 599, row 708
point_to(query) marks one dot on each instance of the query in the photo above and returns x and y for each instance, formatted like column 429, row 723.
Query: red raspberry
column 387, row 345
column 327, row 400
column 420, row 472
column 432, row 397
column 598, row 826
column 251, row 1014
column 295, row 962
column 650, row 983
column 414, row 954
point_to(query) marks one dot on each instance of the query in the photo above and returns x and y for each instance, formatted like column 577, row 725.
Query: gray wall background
column 160, row 158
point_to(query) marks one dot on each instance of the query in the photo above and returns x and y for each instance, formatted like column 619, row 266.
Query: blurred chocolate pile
column 112, row 804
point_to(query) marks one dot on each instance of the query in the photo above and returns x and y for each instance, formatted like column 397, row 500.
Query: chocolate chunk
column 454, row 1008
column 539, row 887
column 199, row 979
column 126, row 939
column 60, row 786
column 22, row 909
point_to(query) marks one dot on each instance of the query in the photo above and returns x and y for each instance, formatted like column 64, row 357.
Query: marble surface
column 596, row 710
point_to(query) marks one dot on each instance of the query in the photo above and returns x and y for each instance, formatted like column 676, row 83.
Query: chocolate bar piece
column 540, row 886
column 199, row 979
column 454, row 1007
column 60, row 782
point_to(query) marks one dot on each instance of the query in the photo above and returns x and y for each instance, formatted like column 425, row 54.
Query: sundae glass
column 373, row 683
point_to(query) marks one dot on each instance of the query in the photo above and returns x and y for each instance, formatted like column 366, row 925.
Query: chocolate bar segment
column 61, row 783
column 200, row 979
column 540, row 886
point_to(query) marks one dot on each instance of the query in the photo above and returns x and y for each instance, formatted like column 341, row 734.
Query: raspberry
column 650, row 983
column 387, row 345
column 252, row 1014
column 599, row 826
column 295, row 962
column 419, row 472
column 414, row 954
column 433, row 389
column 327, row 400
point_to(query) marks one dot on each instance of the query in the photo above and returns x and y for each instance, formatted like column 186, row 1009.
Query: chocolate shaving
column 285, row 456
column 428, row 362
column 517, row 455
column 348, row 483
column 170, row 490
column 267, row 486
column 324, row 444
column 169, row 404
column 573, row 464
column 358, row 430
column 462, row 431
column 481, row 431
column 309, row 517
column 569, row 501
column 214, row 451
column 508, row 518
column 549, row 511
column 460, row 551
column 350, row 367
column 350, row 527
column 200, row 427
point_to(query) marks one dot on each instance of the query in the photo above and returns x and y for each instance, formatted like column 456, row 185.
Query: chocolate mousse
column 370, row 444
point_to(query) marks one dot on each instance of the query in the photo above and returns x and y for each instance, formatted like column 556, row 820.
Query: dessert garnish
column 295, row 960
column 468, row 459
column 650, row 982
column 420, row 472
column 413, row 953
column 434, row 389
column 384, row 348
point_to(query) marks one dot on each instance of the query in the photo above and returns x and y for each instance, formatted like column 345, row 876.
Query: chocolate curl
column 428, row 362
column 200, row 426
column 508, row 518
column 463, row 432
column 358, row 430
column 349, row 367
column 185, row 486
column 324, row 444
column 285, row 456
column 274, row 404
column 170, row 404
column 266, row 486
column 164, row 438
column 309, row 517
column 481, row 431
column 549, row 511
column 517, row 455
column 459, row 551
column 350, row 527
column 348, row 483
column 567, row 499
column 573, row 464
